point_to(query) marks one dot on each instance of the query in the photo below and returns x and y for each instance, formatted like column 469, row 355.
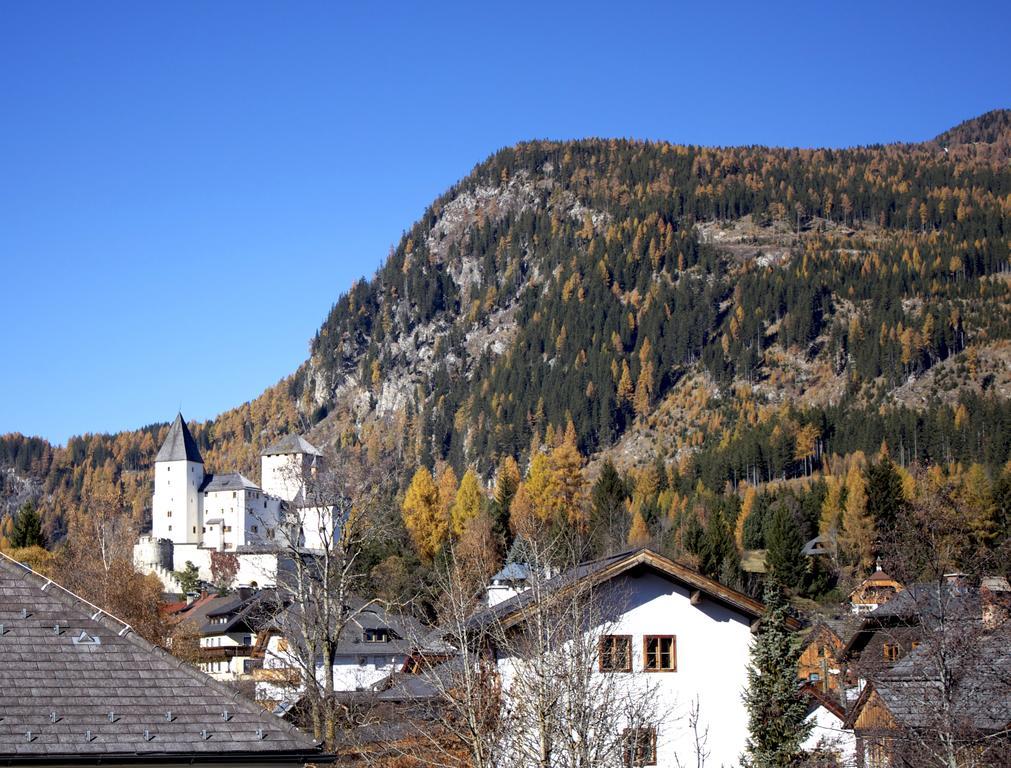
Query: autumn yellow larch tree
column 566, row 482
column 831, row 508
column 806, row 444
column 625, row 390
column 638, row 533
column 448, row 485
column 423, row 515
column 856, row 540
column 977, row 496
column 531, row 502
column 644, row 389
column 468, row 503
column 747, row 505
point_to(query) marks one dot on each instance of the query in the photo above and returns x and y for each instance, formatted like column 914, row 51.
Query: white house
column 666, row 633
column 226, row 629
column 196, row 513
column 829, row 734
column 375, row 644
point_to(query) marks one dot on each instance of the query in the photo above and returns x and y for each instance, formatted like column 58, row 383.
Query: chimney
column 245, row 591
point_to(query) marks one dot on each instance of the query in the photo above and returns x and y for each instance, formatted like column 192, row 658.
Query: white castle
column 195, row 513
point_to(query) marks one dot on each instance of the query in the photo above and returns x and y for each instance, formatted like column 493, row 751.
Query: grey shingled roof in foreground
column 88, row 689
column 291, row 444
column 179, row 445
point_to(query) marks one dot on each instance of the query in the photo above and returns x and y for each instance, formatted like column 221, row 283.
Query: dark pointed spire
column 179, row 445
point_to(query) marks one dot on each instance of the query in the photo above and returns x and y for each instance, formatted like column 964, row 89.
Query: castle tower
column 286, row 465
column 178, row 474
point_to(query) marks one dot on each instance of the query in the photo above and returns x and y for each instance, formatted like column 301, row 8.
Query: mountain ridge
column 606, row 281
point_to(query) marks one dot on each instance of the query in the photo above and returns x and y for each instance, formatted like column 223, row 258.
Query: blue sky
column 187, row 187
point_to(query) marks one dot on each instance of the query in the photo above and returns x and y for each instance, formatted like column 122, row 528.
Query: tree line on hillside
column 895, row 264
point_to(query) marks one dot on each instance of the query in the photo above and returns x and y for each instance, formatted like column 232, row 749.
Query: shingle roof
column 406, row 634
column 291, row 444
column 920, row 605
column 179, row 445
column 977, row 696
column 88, row 688
column 240, row 610
column 228, row 481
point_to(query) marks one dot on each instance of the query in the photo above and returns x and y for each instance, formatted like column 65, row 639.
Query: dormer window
column 380, row 635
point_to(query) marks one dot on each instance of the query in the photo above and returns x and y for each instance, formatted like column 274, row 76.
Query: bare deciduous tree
column 325, row 535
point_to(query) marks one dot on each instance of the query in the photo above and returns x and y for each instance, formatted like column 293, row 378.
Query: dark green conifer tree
column 784, row 558
column 885, row 500
column 777, row 711
column 608, row 517
column 719, row 553
column 27, row 528
column 189, row 578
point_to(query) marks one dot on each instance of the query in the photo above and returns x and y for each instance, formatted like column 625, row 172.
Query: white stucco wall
column 829, row 735
column 229, row 506
column 281, row 475
column 258, row 569
column 176, row 491
column 350, row 673
column 713, row 644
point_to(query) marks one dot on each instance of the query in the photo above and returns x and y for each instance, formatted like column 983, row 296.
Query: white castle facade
column 195, row 514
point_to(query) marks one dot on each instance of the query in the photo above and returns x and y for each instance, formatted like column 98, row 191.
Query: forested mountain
column 725, row 314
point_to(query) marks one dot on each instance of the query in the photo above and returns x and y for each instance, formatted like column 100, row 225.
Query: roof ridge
column 100, row 613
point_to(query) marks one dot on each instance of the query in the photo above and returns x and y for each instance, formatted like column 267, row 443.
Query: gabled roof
column 978, row 698
column 228, row 481
column 88, row 689
column 918, row 605
column 241, row 611
column 406, row 634
column 179, row 445
column 606, row 568
column 291, row 444
column 818, row 698
column 837, row 629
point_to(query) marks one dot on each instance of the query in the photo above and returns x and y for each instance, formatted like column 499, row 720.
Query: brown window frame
column 604, row 639
column 629, row 746
column 891, row 651
column 646, row 654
